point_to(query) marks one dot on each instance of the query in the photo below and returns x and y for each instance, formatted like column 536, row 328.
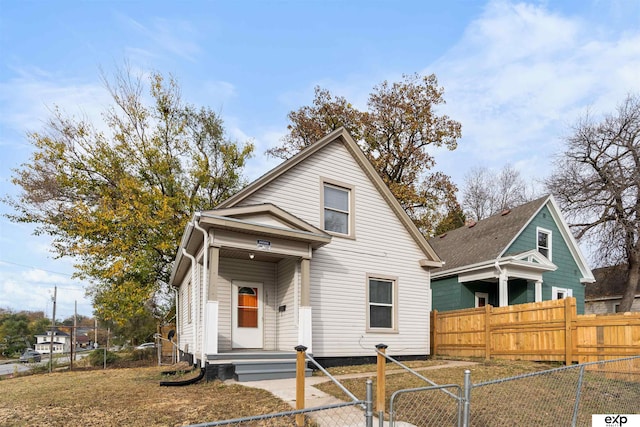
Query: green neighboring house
column 525, row 254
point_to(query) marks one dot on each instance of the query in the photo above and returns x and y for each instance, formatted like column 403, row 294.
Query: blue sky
column 516, row 75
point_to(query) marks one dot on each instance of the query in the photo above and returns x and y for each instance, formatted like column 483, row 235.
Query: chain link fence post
column 576, row 405
column 466, row 406
column 368, row 414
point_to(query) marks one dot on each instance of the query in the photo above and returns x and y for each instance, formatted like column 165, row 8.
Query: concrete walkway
column 285, row 389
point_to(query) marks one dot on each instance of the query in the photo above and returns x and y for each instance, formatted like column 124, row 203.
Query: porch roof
column 526, row 265
column 244, row 220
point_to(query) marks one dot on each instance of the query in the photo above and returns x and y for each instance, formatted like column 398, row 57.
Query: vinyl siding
column 231, row 269
column 446, row 294
column 186, row 332
column 381, row 246
column 568, row 273
column 288, row 288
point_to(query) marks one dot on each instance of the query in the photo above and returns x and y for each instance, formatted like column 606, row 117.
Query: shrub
column 96, row 357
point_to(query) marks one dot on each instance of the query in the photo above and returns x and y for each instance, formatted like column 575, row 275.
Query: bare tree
column 486, row 193
column 597, row 184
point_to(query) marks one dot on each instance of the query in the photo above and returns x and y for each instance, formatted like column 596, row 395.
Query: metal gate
column 440, row 405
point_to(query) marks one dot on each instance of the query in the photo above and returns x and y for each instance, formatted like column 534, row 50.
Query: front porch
column 513, row 279
column 245, row 291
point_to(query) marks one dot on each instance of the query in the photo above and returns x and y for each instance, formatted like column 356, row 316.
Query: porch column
column 211, row 305
column 304, row 318
column 305, row 282
column 538, row 291
column 211, row 327
column 503, row 289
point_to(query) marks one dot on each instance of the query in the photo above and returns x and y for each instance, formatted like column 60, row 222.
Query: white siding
column 339, row 270
column 287, row 294
column 186, row 328
column 231, row 269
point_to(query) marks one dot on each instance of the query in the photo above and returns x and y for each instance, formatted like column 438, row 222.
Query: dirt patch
column 131, row 397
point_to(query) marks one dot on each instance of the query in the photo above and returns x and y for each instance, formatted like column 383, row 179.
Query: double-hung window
column 337, row 210
column 543, row 242
column 382, row 303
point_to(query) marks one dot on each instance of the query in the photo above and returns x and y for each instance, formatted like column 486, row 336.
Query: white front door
column 246, row 314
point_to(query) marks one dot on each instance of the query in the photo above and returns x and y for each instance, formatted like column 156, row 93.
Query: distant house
column 61, row 342
column 525, row 254
column 605, row 294
column 315, row 252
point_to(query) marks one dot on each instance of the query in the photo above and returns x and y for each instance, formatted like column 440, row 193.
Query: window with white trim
column 381, row 303
column 561, row 293
column 336, row 214
column 482, row 299
column 543, row 242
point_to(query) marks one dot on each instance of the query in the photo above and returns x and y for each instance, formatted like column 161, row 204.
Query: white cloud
column 27, row 99
column 520, row 75
column 219, row 90
column 173, row 36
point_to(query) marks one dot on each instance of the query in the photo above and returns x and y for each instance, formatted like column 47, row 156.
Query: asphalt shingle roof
column 486, row 240
column 610, row 282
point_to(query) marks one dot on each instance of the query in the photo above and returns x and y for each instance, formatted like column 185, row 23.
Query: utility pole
column 53, row 327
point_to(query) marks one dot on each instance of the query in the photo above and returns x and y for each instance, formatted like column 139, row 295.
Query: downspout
column 194, row 263
column 205, row 285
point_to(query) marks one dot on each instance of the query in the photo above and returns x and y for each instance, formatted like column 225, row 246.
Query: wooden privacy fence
column 542, row 331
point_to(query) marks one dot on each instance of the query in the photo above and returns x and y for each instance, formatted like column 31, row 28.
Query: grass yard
column 546, row 399
column 124, row 397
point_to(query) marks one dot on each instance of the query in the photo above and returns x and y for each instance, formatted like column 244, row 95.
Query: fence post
column 300, row 372
column 466, row 408
column 487, row 332
column 434, row 331
column 381, row 380
column 368, row 414
column 568, row 342
column 576, row 405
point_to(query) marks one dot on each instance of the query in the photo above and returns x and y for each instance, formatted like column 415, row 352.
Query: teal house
column 525, row 254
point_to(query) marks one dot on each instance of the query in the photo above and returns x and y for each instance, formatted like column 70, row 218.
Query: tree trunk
column 633, row 277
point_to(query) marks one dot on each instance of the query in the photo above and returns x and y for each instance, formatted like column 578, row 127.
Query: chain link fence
column 427, row 406
column 338, row 415
column 566, row 396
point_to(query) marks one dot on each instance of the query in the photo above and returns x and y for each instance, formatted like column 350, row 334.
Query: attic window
column 543, row 242
column 338, row 206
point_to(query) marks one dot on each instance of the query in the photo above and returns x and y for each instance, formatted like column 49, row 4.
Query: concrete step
column 261, row 375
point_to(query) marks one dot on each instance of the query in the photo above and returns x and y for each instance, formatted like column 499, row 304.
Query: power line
column 37, row 268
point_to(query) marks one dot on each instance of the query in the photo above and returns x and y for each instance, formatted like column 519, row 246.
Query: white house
column 61, row 342
column 316, row 252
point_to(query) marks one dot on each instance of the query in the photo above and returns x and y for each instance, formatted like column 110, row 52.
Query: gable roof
column 486, row 239
column 266, row 220
column 341, row 135
column 611, row 282
column 489, row 239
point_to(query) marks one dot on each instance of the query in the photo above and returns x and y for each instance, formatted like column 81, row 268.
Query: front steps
column 253, row 365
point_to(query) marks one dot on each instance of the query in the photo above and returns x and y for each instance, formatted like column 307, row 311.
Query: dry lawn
column 124, row 397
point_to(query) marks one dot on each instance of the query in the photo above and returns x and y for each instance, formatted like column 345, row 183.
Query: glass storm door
column 246, row 315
